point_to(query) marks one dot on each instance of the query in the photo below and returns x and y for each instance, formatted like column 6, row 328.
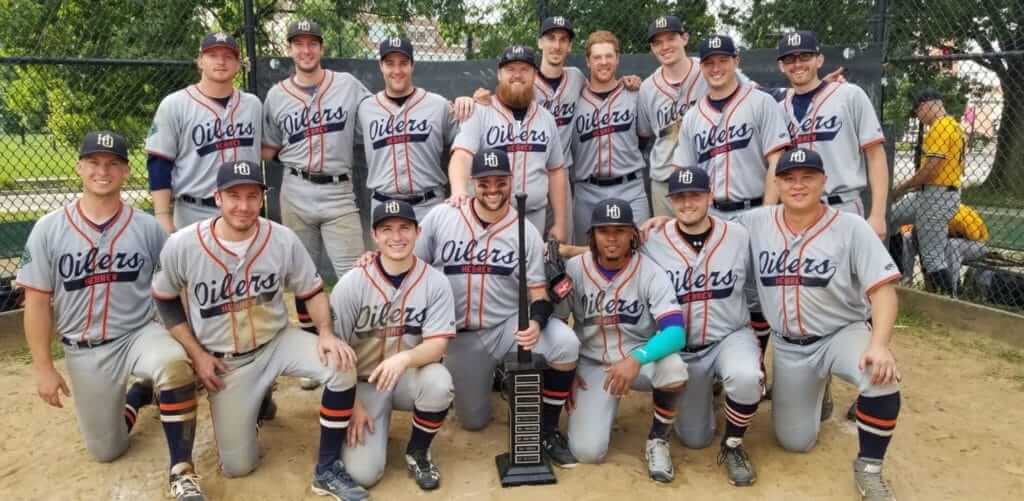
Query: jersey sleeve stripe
column 439, row 334
column 30, row 287
column 872, row 142
column 158, row 153
column 162, row 296
column 887, row 280
column 463, row 148
column 312, row 292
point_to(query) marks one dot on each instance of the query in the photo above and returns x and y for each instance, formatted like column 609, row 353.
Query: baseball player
column 838, row 121
column 630, row 326
column 707, row 261
column 407, row 131
column 526, row 132
column 933, row 192
column 86, row 271
column 608, row 161
column 968, row 235
column 195, row 130
column 397, row 314
column 236, row 267
column 819, row 271
column 476, row 245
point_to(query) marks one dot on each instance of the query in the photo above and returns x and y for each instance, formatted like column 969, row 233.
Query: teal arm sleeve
column 666, row 342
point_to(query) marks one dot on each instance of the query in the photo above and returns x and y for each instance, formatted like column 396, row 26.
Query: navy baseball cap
column 557, row 23
column 396, row 45
column 798, row 42
column 490, row 162
column 717, row 44
column 689, row 180
column 518, row 53
column 241, row 172
column 664, row 24
column 612, row 212
column 394, row 208
column 104, row 141
column 799, row 157
column 219, row 39
column 304, row 27
column 923, row 96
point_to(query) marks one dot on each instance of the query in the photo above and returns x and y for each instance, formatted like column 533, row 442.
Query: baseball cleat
column 737, row 465
column 423, row 469
column 867, row 476
column 659, row 460
column 337, row 483
column 184, row 483
column 556, row 447
column 826, row 403
column 308, row 384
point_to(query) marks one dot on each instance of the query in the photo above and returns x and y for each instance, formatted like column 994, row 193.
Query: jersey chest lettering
column 306, row 123
column 713, row 285
column 390, row 320
column 216, row 135
column 717, row 140
column 79, row 271
column 780, row 269
column 563, row 112
column 218, row 298
column 670, row 112
column 504, row 137
column 815, row 129
column 599, row 309
column 393, row 130
column 597, row 124
column 461, row 258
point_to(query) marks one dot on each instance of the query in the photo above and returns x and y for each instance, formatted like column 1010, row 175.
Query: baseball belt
column 87, row 343
column 205, row 202
column 698, row 349
column 727, row 206
column 802, row 341
column 229, row 356
column 613, row 181
column 411, row 200
column 318, row 178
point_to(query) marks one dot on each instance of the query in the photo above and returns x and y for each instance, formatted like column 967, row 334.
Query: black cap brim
column 693, row 189
column 797, row 50
column 86, row 153
column 239, row 182
column 491, row 173
column 394, row 216
column 717, row 52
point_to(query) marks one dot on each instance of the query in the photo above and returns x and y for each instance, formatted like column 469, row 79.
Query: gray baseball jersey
column 732, row 145
column 99, row 278
column 709, row 284
column 614, row 316
column 378, row 320
column 199, row 134
column 315, row 132
column 839, row 123
column 236, row 303
column 533, row 146
column 404, row 145
column 605, row 135
column 480, row 262
column 561, row 102
column 817, row 282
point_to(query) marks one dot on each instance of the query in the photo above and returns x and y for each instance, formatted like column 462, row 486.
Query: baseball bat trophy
column 524, row 463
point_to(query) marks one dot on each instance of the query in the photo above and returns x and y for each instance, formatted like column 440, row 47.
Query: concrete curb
column 991, row 322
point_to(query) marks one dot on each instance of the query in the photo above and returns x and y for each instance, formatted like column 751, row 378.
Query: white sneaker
column 308, row 384
column 659, row 460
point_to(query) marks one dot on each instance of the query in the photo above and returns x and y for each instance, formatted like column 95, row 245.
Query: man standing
column 86, row 270
column 195, row 130
column 933, row 192
column 397, row 314
column 406, row 132
column 630, row 327
column 526, row 132
column 838, row 121
column 475, row 244
column 708, row 262
column 236, row 267
column 608, row 161
column 819, row 272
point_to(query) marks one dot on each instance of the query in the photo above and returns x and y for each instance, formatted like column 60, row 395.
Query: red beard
column 510, row 97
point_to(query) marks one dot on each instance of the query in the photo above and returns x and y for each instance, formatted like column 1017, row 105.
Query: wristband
column 541, row 311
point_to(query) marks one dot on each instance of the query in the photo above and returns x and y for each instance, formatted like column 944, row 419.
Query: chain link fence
column 61, row 74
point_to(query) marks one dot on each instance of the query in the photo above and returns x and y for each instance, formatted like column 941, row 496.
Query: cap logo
column 793, row 39
column 685, row 177
column 392, row 207
column 242, row 169
column 395, row 42
column 491, row 160
column 715, row 42
column 613, row 211
column 517, row 50
column 304, row 26
column 559, row 21
column 798, row 156
column 105, row 140
column 220, row 37
column 661, row 22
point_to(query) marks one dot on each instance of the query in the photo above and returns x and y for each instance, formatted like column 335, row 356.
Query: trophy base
column 513, row 475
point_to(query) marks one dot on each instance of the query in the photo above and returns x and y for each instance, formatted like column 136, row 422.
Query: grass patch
column 43, row 156
column 23, row 356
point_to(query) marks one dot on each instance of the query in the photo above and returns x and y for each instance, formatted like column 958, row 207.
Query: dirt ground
column 960, row 436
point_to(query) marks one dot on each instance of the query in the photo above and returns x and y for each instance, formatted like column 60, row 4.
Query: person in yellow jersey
column 931, row 197
column 968, row 238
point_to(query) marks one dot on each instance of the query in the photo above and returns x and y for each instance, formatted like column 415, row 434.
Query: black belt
column 613, row 181
column 87, row 343
column 802, row 341
column 413, row 200
column 219, row 354
column 206, row 202
column 834, row 200
column 727, row 206
column 319, row 178
column 698, row 349
column 944, row 187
